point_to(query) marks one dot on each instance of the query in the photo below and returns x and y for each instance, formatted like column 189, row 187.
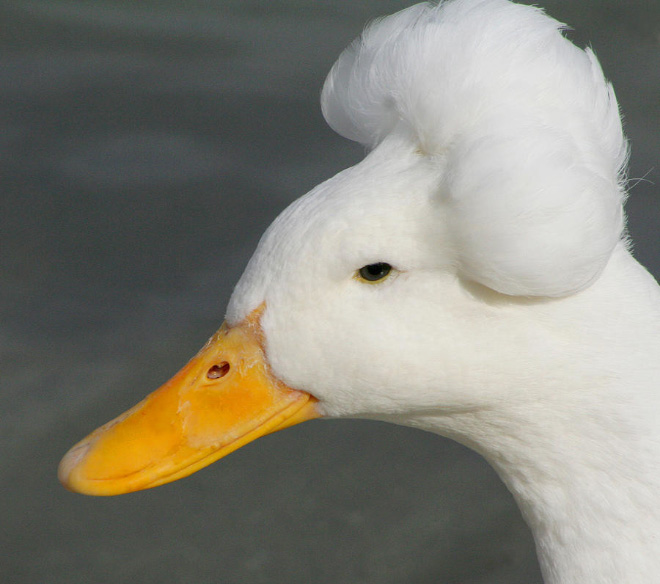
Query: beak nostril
column 218, row 371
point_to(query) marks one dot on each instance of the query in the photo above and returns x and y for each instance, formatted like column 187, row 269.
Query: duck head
column 411, row 286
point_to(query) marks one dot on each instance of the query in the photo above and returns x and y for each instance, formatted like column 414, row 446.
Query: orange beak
column 222, row 399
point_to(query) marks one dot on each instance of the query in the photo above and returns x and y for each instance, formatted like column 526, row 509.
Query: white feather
column 515, row 319
column 524, row 122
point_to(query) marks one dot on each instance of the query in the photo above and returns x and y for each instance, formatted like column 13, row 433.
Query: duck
column 472, row 277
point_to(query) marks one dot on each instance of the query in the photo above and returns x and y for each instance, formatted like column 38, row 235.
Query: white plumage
column 469, row 277
column 524, row 121
column 516, row 320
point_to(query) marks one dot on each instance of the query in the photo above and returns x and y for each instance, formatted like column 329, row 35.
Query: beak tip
column 71, row 462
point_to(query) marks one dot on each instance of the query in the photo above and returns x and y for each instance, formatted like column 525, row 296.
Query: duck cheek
column 222, row 399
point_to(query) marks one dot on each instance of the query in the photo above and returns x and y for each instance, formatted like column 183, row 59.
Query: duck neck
column 577, row 440
column 589, row 494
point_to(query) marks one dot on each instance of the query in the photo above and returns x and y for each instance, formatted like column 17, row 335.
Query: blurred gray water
column 144, row 147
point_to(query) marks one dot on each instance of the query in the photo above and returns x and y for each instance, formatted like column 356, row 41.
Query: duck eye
column 374, row 272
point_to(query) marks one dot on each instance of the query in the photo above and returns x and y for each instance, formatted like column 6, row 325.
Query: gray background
column 143, row 149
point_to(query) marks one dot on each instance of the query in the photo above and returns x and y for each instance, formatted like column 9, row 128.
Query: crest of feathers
column 523, row 124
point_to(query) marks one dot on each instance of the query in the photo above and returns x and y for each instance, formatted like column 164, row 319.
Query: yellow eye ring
column 373, row 273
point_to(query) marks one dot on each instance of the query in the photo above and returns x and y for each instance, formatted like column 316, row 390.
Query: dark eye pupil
column 374, row 272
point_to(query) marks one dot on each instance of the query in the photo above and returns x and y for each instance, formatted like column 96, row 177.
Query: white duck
column 470, row 277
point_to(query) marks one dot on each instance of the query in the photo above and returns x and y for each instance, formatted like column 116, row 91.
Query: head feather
column 524, row 124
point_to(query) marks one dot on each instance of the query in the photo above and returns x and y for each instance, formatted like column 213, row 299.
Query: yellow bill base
column 222, row 399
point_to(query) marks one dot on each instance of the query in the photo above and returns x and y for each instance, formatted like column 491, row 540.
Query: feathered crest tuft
column 524, row 122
